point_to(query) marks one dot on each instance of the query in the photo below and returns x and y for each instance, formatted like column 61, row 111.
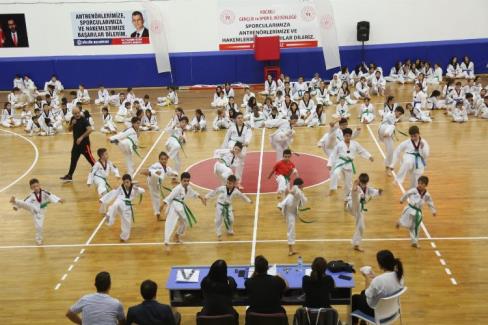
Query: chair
column 387, row 310
column 216, row 320
column 268, row 49
column 316, row 316
column 266, row 319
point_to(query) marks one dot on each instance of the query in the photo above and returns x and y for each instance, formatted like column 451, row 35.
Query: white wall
column 192, row 24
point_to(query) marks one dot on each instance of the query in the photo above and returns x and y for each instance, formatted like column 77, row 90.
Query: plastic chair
column 316, row 316
column 387, row 310
column 227, row 319
column 266, row 319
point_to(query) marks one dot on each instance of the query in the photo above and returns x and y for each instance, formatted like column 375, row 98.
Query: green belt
column 134, row 147
column 226, row 213
column 418, row 218
column 417, row 157
column 162, row 187
column 362, row 202
column 189, row 215
column 105, row 180
column 180, row 143
column 365, row 112
column 44, row 205
column 224, row 162
column 346, row 161
column 129, row 203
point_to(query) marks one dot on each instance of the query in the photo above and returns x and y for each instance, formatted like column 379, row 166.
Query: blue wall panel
column 218, row 67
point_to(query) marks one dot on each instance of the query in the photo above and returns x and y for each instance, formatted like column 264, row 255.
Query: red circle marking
column 313, row 170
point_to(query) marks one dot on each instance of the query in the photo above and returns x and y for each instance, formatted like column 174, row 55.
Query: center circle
column 312, row 169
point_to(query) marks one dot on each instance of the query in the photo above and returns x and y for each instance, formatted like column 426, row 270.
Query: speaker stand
column 363, row 53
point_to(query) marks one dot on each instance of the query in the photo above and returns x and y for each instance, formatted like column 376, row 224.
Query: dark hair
column 424, row 180
column 102, row 281
column 347, row 131
column 126, row 177
column 135, row 119
column 343, row 121
column 104, row 109
column 298, row 181
column 184, row 118
column 218, row 271
column 72, row 93
column 286, row 152
column 260, row 265
column 33, row 181
column 162, row 154
column 101, row 151
column 469, row 95
column 364, row 178
column 238, row 144
column 413, row 130
column 232, row 178
column 435, row 93
column 294, row 117
column 400, row 109
column 319, row 265
column 149, row 289
column 388, row 262
column 185, row 175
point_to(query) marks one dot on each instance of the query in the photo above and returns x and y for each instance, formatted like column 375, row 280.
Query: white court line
column 224, row 242
column 424, row 228
column 34, row 162
column 94, row 233
column 256, row 211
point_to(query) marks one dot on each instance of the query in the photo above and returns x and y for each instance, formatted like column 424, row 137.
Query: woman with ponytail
column 379, row 286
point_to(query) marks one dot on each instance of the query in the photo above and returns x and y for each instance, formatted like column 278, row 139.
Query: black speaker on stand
column 363, row 35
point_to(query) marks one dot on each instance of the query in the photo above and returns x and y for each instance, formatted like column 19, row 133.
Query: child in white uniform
column 356, row 204
column 100, row 172
column 82, row 95
column 247, row 95
column 198, row 123
column 415, row 154
column 7, row 119
column 386, row 132
column 124, row 113
column 128, row 142
column 335, row 135
column 177, row 212
column 454, row 69
column 346, row 94
column 224, row 213
column 108, row 123
column 378, row 84
column 103, row 96
column 289, row 207
column 412, row 215
column 283, row 137
column 156, row 174
column 322, row 95
column 226, row 161
column 149, row 121
column 36, row 203
column 122, row 199
column 366, row 112
column 238, row 132
column 170, row 99
column 467, row 68
column 362, row 89
column 459, row 113
column 342, row 110
column 269, row 87
column 335, row 85
column 342, row 162
column 176, row 141
column 221, row 121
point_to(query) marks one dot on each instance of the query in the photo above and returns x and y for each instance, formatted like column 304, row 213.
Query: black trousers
column 76, row 152
column 359, row 302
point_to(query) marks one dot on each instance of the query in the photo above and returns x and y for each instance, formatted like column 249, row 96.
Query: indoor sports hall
column 383, row 106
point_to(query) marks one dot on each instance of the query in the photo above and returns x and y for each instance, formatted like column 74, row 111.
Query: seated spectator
column 150, row 311
column 377, row 287
column 218, row 289
column 264, row 290
column 98, row 308
column 318, row 285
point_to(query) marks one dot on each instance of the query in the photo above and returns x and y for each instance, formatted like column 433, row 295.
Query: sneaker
column 66, row 178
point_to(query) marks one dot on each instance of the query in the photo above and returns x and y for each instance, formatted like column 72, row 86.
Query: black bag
column 340, row 266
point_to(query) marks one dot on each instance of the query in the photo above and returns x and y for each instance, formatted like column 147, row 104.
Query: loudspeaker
column 363, row 31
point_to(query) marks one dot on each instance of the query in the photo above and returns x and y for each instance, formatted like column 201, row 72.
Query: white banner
column 109, row 28
column 328, row 34
column 158, row 36
column 295, row 21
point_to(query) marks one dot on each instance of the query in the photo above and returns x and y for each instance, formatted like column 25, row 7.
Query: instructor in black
column 81, row 142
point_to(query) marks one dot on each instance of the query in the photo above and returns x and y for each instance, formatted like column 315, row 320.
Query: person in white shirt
column 467, row 68
column 83, row 95
column 269, row 86
column 454, row 69
column 378, row 84
column 459, row 113
column 198, row 123
column 224, row 212
column 257, row 119
column 342, row 110
column 334, row 85
column 362, row 89
column 149, row 121
column 176, row 140
column 170, row 99
column 124, row 112
column 247, row 95
column 108, row 123
column 58, row 86
column 36, row 203
column 103, row 96
column 228, row 91
column 156, row 175
column 346, row 94
column 7, row 118
column 299, row 89
column 378, row 286
column 322, row 94
column 100, row 172
column 220, row 100
column 128, row 142
column 436, row 77
column 344, row 76
column 386, row 132
column 221, row 121
column 367, row 114
column 315, row 81
column 98, row 308
column 14, row 98
column 396, row 74
column 177, row 211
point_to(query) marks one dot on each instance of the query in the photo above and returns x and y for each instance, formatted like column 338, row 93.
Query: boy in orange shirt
column 283, row 170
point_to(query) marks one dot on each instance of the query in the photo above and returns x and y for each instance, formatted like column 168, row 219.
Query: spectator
column 318, row 285
column 377, row 287
column 150, row 311
column 98, row 308
column 264, row 290
column 218, row 289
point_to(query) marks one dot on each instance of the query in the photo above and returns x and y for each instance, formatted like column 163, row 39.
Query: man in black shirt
column 264, row 290
column 81, row 142
column 151, row 312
